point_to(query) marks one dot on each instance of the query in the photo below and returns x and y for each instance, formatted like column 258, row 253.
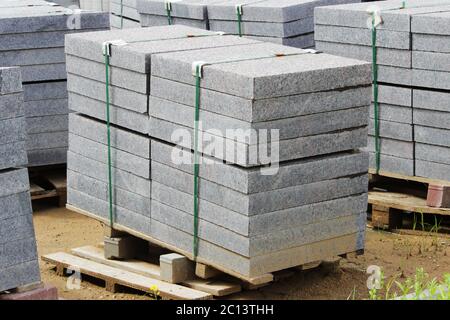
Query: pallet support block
column 386, row 218
column 125, row 247
column 206, row 272
column 176, row 268
column 438, row 196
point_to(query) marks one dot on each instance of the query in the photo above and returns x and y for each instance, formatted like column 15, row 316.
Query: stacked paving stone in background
column 287, row 22
column 18, row 256
column 124, row 14
column 412, row 59
column 32, row 37
column 250, row 222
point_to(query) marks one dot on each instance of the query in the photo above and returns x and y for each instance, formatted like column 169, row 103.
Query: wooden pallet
column 49, row 182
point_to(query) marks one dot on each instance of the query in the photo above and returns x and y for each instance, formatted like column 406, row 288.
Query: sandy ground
column 58, row 229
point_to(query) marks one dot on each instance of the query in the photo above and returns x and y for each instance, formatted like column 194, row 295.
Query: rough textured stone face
column 18, row 255
column 250, row 223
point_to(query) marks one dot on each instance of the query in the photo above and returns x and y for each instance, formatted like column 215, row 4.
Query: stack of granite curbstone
column 412, row 59
column 32, row 37
column 124, row 14
column 251, row 222
column 287, row 22
column 18, row 255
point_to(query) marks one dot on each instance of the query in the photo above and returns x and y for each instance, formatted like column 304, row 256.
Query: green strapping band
column 121, row 14
column 239, row 13
column 375, row 94
column 168, row 5
column 196, row 158
column 108, row 126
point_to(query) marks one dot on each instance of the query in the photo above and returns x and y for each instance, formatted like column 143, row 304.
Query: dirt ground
column 58, row 229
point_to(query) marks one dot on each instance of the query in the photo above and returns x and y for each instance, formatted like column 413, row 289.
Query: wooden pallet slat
column 115, row 276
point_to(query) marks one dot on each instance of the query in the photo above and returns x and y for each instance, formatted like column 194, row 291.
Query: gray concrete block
column 121, row 139
column 47, row 140
column 303, row 41
column 99, row 171
column 99, row 190
column 430, row 43
column 14, row 205
column 430, row 79
column 392, row 147
column 393, row 164
column 395, row 95
column 13, row 155
column 265, row 109
column 10, row 80
column 100, row 208
column 362, row 36
column 14, row 229
column 253, row 180
column 432, row 23
column 393, row 130
column 119, row 159
column 47, row 124
column 432, row 153
column 270, row 29
column 394, row 113
column 192, row 9
column 123, row 98
column 13, row 130
column 11, row 106
column 434, row 136
column 142, row 44
column 261, row 202
column 44, row 72
column 385, row 56
column 45, row 91
column 253, row 155
column 262, row 223
column 434, row 61
column 432, row 170
column 431, row 100
column 118, row 77
column 289, row 128
column 137, row 122
column 261, row 78
column 42, row 108
column 43, row 157
column 175, row 268
column 429, row 118
column 158, row 20
column 19, row 275
column 395, row 75
column 13, row 181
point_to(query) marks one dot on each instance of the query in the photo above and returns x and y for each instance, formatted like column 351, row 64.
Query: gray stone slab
column 434, row 61
column 430, row 43
column 13, row 181
column 47, row 140
column 260, row 75
column 265, row 109
column 303, row 41
column 119, row 159
column 99, row 171
column 13, row 155
column 271, row 29
column 432, row 153
column 100, row 208
column 10, row 80
column 130, row 13
column 19, row 275
column 99, row 190
column 393, row 15
column 432, row 23
column 51, row 107
column 13, row 130
column 432, row 170
column 253, row 155
column 158, row 20
column 289, row 128
column 118, row 77
column 44, row 72
column 393, row 164
column 429, row 118
column 394, row 95
column 126, row 99
column 394, row 113
column 15, row 205
column 395, row 75
column 45, row 91
column 431, row 79
column 385, row 56
column 11, row 106
column 392, row 147
column 32, row 57
column 362, row 36
column 43, row 157
column 263, row 244
column 393, row 130
column 121, row 139
column 192, row 9
column 431, row 100
column 136, row 55
column 128, row 3
column 42, row 19
column 250, row 181
column 434, row 136
column 47, row 124
column 261, row 202
column 16, row 228
column 122, row 117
